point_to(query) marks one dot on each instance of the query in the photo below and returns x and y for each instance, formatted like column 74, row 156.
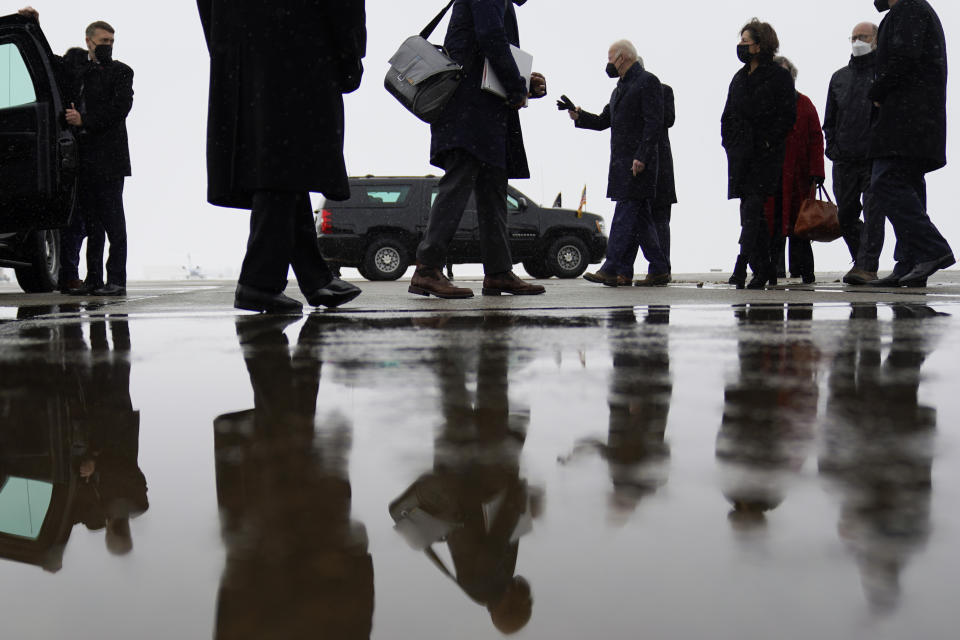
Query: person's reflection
column 297, row 565
column 641, row 388
column 474, row 499
column 769, row 412
column 878, row 445
column 112, row 488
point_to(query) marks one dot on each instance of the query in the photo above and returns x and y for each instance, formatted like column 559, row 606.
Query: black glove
column 818, row 181
column 565, row 104
column 351, row 73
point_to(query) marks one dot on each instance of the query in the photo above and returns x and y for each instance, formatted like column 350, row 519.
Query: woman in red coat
column 802, row 169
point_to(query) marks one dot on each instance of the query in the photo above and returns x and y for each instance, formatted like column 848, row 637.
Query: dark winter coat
column 911, row 86
column 277, row 75
column 103, row 94
column 802, row 162
column 761, row 110
column 666, row 184
column 475, row 120
column 635, row 119
column 846, row 121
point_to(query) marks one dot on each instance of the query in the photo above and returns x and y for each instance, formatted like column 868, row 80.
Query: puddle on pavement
column 745, row 472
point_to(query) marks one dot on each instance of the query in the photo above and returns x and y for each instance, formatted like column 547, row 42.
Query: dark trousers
column 851, row 183
column 754, row 233
column 898, row 193
column 465, row 175
column 661, row 220
column 99, row 212
column 282, row 235
column 800, row 254
column 633, row 230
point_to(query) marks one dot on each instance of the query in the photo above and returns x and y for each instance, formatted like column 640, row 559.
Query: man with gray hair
column 846, row 125
column 635, row 118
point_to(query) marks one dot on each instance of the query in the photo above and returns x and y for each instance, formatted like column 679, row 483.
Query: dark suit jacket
column 105, row 97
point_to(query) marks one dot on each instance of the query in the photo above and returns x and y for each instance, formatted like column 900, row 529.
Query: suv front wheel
column 387, row 258
column 568, row 257
column 42, row 250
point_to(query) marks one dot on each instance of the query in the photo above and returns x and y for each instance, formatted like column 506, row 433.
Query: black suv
column 38, row 156
column 378, row 229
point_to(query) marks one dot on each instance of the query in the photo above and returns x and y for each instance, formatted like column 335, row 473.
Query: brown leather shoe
column 623, row 281
column 654, row 280
column 430, row 281
column 508, row 282
column 859, row 276
column 601, row 277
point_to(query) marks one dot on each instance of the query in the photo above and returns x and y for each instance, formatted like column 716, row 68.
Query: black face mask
column 882, row 5
column 612, row 70
column 104, row 53
column 743, row 53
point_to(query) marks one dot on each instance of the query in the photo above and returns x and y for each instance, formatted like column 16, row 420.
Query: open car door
column 38, row 154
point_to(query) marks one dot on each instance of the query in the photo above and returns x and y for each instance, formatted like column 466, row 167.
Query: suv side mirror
column 523, row 204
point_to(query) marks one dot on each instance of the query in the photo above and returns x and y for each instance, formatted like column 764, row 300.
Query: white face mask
column 861, row 48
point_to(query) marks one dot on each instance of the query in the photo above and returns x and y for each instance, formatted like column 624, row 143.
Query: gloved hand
column 351, row 73
column 817, row 181
column 565, row 104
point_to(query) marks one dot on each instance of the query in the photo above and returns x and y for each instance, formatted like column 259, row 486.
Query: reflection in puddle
column 69, row 440
column 418, row 466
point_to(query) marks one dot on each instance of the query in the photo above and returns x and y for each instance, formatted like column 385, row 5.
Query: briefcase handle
column 430, row 28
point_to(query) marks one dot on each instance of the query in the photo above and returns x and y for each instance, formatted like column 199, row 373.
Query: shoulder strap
column 429, row 29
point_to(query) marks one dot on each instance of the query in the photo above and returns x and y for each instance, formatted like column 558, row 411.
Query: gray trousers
column 465, row 175
column 851, row 181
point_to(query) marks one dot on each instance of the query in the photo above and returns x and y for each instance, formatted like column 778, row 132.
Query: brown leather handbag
column 818, row 219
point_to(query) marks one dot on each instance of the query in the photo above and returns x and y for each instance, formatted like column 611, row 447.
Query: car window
column 16, row 86
column 385, row 195
column 513, row 205
column 433, row 196
column 23, row 506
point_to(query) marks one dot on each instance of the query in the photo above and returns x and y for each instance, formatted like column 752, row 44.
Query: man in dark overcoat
column 275, row 134
column 846, row 125
column 909, row 135
column 635, row 117
column 99, row 91
column 478, row 143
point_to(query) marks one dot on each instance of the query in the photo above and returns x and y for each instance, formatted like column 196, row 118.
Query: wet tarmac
column 773, row 465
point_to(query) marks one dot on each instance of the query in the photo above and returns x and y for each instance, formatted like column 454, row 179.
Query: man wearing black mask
column 908, row 137
column 635, row 119
column 101, row 97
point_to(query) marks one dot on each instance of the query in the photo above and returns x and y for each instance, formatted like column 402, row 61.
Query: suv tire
column 42, row 250
column 537, row 268
column 387, row 258
column 568, row 257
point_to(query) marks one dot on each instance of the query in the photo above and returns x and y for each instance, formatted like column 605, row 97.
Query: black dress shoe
column 113, row 290
column 892, row 280
column 924, row 270
column 251, row 299
column 85, row 289
column 335, row 293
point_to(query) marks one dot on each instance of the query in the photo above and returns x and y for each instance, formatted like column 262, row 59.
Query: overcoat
column 911, row 87
column 477, row 121
column 666, row 182
column 103, row 94
column 761, row 110
column 277, row 75
column 802, row 162
column 635, row 119
column 846, row 122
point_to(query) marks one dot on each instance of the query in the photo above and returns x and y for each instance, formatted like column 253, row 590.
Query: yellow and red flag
column 583, row 202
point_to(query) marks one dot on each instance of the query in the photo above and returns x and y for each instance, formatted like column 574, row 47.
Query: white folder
column 491, row 82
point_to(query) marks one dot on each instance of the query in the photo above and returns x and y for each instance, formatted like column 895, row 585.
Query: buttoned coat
column 634, row 116
column 761, row 110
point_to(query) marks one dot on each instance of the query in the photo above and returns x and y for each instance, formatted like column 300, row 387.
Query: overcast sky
column 689, row 45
